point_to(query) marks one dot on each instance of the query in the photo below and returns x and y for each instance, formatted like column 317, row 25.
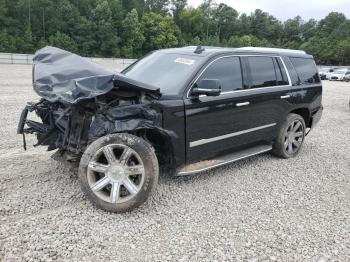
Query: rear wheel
column 118, row 172
column 290, row 137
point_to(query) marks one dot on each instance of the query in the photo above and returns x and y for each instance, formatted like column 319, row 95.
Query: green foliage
column 157, row 6
column 342, row 52
column 191, row 22
column 159, row 31
column 225, row 18
column 263, row 25
column 105, row 35
column 128, row 5
column 7, row 42
column 132, row 35
column 330, row 22
column 63, row 41
column 177, row 6
column 131, row 28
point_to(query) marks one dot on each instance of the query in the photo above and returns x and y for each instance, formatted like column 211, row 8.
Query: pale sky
column 284, row 9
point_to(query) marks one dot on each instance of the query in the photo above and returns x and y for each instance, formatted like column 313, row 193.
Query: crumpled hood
column 59, row 75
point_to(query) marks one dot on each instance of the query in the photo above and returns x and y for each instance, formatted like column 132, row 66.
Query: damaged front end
column 63, row 127
column 84, row 102
column 71, row 128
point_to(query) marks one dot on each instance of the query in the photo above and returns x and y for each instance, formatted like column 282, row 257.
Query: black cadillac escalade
column 184, row 110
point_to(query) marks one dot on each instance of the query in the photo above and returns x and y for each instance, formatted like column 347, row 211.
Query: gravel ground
column 263, row 208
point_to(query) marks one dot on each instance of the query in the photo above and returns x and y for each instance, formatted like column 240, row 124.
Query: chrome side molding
column 242, row 104
column 217, row 138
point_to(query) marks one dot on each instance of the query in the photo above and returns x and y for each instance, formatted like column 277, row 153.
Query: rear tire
column 290, row 137
column 118, row 172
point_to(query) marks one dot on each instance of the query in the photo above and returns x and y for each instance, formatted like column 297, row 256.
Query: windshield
column 168, row 72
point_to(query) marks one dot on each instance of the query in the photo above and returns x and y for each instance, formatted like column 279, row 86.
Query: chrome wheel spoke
column 291, row 127
column 296, row 127
column 293, row 137
column 135, row 170
column 296, row 143
column 109, row 154
column 125, row 156
column 124, row 173
column 298, row 134
column 130, row 186
column 290, row 147
column 115, row 192
column 100, row 184
column 97, row 167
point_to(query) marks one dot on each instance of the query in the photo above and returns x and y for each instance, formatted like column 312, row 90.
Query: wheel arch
column 305, row 113
column 161, row 142
column 144, row 123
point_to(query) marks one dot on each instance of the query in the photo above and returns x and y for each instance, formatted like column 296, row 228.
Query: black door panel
column 208, row 118
column 238, row 118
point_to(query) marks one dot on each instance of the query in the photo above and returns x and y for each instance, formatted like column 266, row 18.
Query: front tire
column 290, row 137
column 118, row 172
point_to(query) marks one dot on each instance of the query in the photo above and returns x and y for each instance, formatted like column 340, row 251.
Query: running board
column 222, row 160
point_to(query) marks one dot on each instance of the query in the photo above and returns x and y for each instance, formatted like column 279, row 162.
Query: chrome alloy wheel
column 294, row 137
column 115, row 173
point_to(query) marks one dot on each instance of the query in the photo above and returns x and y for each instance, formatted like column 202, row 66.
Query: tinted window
column 262, row 71
column 228, row 71
column 306, row 69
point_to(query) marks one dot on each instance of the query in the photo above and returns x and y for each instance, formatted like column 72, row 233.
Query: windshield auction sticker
column 184, row 61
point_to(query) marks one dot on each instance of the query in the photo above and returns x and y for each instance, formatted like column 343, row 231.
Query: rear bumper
column 316, row 116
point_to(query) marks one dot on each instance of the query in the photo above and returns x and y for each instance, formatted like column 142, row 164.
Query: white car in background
column 325, row 72
column 339, row 74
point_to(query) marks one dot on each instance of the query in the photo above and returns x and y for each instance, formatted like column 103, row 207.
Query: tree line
column 131, row 28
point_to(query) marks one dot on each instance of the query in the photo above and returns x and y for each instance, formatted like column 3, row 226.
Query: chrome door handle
column 286, row 96
column 243, row 104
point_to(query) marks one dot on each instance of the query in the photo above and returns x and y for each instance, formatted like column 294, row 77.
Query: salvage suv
column 184, row 110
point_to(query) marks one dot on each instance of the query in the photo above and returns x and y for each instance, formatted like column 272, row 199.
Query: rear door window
column 306, row 69
column 228, row 71
column 262, row 71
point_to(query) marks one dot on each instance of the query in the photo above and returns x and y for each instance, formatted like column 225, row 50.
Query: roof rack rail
column 266, row 49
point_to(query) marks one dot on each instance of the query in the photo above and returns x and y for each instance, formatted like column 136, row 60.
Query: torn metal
column 59, row 75
column 82, row 101
column 73, row 128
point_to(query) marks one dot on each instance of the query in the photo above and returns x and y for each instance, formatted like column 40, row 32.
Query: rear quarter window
column 306, row 69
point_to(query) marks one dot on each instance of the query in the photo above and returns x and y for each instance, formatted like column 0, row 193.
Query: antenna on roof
column 199, row 49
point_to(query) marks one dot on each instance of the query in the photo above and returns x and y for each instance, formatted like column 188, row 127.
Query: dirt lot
column 262, row 208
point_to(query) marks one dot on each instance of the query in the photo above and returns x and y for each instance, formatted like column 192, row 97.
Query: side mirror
column 209, row 87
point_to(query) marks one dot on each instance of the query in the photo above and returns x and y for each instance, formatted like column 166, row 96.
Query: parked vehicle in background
column 339, row 74
column 346, row 78
column 325, row 72
column 184, row 109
